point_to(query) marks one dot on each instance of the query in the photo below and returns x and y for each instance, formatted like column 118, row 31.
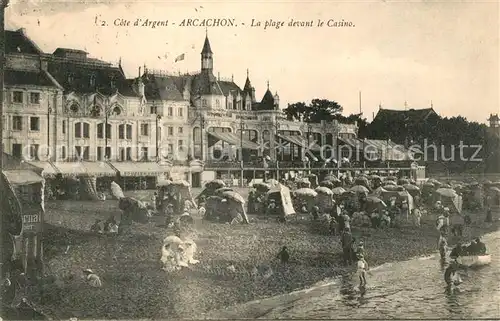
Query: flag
column 179, row 58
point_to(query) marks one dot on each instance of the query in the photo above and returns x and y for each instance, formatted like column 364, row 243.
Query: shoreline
column 287, row 298
column 135, row 287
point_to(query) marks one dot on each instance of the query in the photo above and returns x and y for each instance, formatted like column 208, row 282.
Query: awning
column 47, row 168
column 301, row 142
column 22, row 177
column 85, row 169
column 235, row 139
column 139, row 168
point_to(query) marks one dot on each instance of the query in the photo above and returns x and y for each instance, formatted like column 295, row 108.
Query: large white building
column 75, row 115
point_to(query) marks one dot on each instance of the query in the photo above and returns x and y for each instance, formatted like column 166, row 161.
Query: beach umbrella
column 495, row 189
column 389, row 182
column 391, row 178
column 338, row 190
column 303, row 183
column 331, row 177
column 390, row 187
column 221, row 190
column 215, row 184
column 306, row 192
column 435, row 182
column 445, row 186
column 410, row 187
column 447, row 192
column 403, row 181
column 363, row 180
column 375, row 200
column 324, row 190
column 328, row 184
column 232, row 195
column 263, row 187
column 400, row 188
column 359, row 189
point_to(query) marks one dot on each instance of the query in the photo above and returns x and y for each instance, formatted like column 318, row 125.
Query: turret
column 494, row 121
column 276, row 101
column 139, row 85
column 207, row 62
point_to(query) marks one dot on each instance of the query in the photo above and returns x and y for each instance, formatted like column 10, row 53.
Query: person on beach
column 169, row 214
column 443, row 221
column 489, row 214
column 154, row 201
column 457, row 251
column 442, row 245
column 110, row 221
column 362, row 271
column 347, row 241
column 96, row 227
column 283, row 255
column 451, row 276
column 417, row 216
column 315, row 212
column 92, row 279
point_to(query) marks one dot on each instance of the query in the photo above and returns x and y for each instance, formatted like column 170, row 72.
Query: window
column 100, row 155
column 82, row 130
column 17, row 123
column 92, row 81
column 34, row 151
column 82, row 152
column 117, row 111
column 170, row 131
column 125, row 154
column 63, row 127
column 145, row 129
column 170, row 148
column 35, row 98
column 181, row 112
column 70, row 78
column 17, row 150
column 129, row 131
column 217, row 103
column 62, row 156
column 35, row 124
column 203, row 103
column 180, row 145
column 230, row 106
column 143, row 153
column 129, row 153
column 180, row 130
column 108, row 152
column 125, row 131
column 249, row 107
column 170, row 111
column 153, row 110
column 17, row 97
column 121, row 151
column 100, row 133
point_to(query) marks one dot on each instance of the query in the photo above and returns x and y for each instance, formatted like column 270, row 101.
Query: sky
column 418, row 52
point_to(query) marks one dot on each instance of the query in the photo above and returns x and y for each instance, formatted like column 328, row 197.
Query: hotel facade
column 75, row 115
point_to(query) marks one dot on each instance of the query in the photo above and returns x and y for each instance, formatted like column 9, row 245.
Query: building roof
column 75, row 76
column 229, row 86
column 267, row 102
column 205, row 83
column 161, row 88
column 206, row 46
column 411, row 114
column 18, row 42
column 494, row 117
column 16, row 77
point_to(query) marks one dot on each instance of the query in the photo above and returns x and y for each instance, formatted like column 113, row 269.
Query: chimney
column 139, row 72
column 218, row 76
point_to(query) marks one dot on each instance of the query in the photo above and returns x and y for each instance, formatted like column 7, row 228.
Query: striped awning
column 301, row 142
column 85, row 169
column 22, row 177
column 235, row 139
column 140, row 168
column 48, row 169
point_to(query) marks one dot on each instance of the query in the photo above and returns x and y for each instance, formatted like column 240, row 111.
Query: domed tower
column 207, row 61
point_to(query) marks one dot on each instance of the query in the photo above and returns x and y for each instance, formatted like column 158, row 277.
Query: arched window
column 100, row 130
column 125, row 131
column 230, row 105
column 117, row 111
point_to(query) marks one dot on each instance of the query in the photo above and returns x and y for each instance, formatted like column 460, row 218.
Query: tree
column 315, row 112
column 358, row 119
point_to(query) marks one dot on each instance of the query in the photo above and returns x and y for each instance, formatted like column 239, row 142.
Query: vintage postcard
column 248, row 159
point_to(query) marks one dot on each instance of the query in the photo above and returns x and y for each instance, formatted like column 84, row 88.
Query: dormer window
column 112, row 82
column 92, row 80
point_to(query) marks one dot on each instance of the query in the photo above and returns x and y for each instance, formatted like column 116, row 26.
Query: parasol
column 215, row 184
column 446, row 192
column 390, row 182
column 328, row 184
column 231, row 195
column 359, row 189
column 390, row 187
column 263, row 187
column 221, row 190
column 324, row 190
column 306, row 192
column 403, row 181
column 410, row 187
column 338, row 190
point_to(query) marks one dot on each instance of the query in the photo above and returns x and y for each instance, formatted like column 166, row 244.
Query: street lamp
column 158, row 118
column 4, row 4
column 106, row 133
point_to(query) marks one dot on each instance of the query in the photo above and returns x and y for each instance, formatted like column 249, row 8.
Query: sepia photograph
column 222, row 160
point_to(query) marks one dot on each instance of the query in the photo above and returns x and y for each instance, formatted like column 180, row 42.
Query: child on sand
column 362, row 271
